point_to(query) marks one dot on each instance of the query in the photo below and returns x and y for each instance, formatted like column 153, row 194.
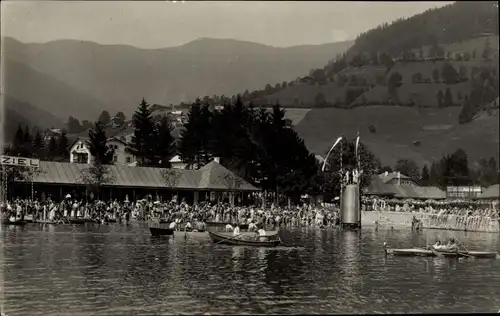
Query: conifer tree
column 38, row 145
column 101, row 153
column 165, row 142
column 62, row 146
column 143, row 141
column 52, row 150
column 17, row 144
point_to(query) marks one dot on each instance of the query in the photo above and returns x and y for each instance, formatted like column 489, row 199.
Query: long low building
column 402, row 187
column 212, row 181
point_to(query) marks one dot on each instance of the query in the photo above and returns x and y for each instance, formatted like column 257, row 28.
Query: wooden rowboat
column 220, row 224
column 16, row 222
column 156, row 231
column 79, row 221
column 269, row 234
column 234, row 241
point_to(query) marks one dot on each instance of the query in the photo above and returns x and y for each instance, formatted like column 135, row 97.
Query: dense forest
column 459, row 21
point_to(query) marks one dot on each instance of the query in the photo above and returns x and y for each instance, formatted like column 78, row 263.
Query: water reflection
column 121, row 270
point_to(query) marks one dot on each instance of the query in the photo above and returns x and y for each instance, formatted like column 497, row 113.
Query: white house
column 177, row 163
column 79, row 152
column 121, row 157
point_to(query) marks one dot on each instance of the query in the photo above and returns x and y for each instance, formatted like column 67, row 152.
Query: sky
column 155, row 24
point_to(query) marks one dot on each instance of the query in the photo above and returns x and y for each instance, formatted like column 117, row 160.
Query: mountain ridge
column 118, row 77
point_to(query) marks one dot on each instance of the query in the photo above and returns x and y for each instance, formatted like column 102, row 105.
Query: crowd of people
column 444, row 207
column 173, row 211
column 170, row 211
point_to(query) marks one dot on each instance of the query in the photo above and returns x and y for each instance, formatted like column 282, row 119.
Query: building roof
column 215, row 176
column 84, row 139
column 388, row 176
column 175, row 159
column 211, row 176
column 415, row 192
column 379, row 187
column 492, row 192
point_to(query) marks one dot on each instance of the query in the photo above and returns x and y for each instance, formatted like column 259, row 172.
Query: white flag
column 328, row 154
column 357, row 145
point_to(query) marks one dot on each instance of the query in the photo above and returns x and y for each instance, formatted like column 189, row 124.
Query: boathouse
column 211, row 182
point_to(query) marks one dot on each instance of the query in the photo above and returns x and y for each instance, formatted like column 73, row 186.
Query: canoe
column 410, row 252
column 17, row 222
column 448, row 254
column 224, row 239
column 155, row 231
column 431, row 252
column 482, row 254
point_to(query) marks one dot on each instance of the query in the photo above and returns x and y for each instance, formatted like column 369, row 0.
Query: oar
column 461, row 244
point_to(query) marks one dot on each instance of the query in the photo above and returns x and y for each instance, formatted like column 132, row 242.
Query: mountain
column 411, row 81
column 456, row 22
column 18, row 112
column 48, row 93
column 118, row 76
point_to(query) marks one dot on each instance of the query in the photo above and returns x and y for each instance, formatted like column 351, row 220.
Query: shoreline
column 431, row 221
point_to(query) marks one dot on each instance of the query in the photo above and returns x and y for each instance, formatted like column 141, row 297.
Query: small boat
column 156, row 231
column 410, row 252
column 220, row 224
column 17, row 222
column 79, row 221
column 46, row 222
column 218, row 238
column 269, row 234
column 431, row 252
column 482, row 254
column 447, row 254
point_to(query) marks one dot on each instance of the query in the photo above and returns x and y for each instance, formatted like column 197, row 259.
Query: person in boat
column 262, row 234
column 188, row 227
column 452, row 245
column 200, row 226
column 173, row 225
column 236, row 231
column 438, row 245
column 229, row 228
column 252, row 227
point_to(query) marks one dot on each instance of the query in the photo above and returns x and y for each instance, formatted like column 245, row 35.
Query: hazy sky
column 161, row 24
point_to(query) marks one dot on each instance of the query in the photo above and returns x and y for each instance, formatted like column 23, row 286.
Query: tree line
column 459, row 21
column 74, row 126
column 32, row 144
column 451, row 170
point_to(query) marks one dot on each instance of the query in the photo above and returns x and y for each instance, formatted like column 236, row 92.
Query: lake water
column 121, row 270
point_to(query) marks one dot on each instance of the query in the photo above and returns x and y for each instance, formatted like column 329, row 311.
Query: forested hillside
column 461, row 21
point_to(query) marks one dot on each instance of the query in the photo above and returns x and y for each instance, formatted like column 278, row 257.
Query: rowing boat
column 269, row 234
column 17, row 222
column 220, row 224
column 156, row 231
column 234, row 241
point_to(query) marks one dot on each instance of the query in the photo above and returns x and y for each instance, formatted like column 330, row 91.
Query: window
column 129, row 160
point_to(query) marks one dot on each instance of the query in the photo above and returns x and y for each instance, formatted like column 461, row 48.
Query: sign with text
column 19, row 161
